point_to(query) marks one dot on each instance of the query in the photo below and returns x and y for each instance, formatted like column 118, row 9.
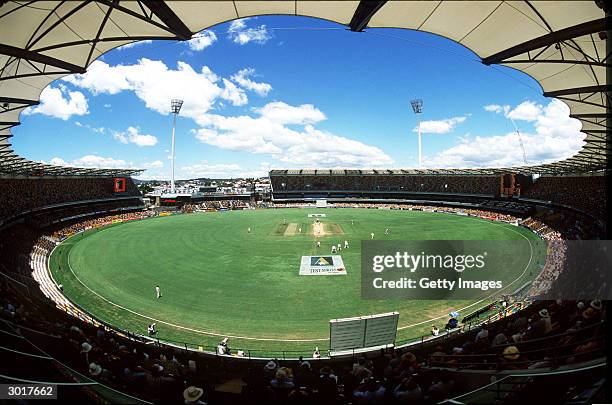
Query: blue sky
column 294, row 92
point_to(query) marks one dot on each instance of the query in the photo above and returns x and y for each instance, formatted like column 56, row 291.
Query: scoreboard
column 119, row 184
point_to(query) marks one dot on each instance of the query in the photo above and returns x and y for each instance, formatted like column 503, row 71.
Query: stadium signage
column 324, row 265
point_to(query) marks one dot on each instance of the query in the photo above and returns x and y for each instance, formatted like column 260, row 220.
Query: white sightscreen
column 363, row 331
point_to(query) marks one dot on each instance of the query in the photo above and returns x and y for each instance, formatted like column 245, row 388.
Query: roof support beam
column 364, row 12
column 13, row 100
column 590, row 27
column 593, row 115
column 165, row 13
column 604, row 88
column 37, row 57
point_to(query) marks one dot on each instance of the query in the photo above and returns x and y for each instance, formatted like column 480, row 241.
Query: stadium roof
column 561, row 44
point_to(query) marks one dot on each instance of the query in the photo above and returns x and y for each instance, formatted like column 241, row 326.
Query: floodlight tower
column 417, row 107
column 175, row 106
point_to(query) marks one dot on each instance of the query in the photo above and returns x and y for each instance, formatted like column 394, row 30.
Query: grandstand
column 515, row 351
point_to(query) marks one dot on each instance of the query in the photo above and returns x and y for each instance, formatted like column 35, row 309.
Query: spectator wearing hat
column 542, row 326
column 511, row 356
column 593, row 313
column 270, row 369
column 193, row 394
column 85, row 349
column 96, row 370
column 304, row 376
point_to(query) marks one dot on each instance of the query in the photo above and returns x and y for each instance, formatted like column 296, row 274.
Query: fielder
column 158, row 291
column 249, row 230
column 372, row 235
column 318, row 244
column 333, row 248
column 346, row 245
column 339, row 246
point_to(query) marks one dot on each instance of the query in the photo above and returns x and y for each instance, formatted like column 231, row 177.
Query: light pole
column 417, row 107
column 175, row 106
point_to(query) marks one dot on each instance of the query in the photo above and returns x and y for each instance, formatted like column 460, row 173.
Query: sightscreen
column 363, row 331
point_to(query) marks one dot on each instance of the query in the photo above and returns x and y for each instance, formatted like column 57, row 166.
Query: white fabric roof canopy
column 561, row 44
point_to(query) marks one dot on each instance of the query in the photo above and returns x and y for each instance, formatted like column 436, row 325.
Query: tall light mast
column 175, row 106
column 520, row 139
column 417, row 107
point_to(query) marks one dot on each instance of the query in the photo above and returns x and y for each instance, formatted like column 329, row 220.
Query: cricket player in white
column 157, row 291
column 318, row 244
column 333, row 248
column 346, row 245
column 339, row 246
column 249, row 230
column 372, row 235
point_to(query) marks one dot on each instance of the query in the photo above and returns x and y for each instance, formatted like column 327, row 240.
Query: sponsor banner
column 317, row 215
column 323, row 265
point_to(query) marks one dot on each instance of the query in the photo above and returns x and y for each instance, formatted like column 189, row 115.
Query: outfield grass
column 217, row 279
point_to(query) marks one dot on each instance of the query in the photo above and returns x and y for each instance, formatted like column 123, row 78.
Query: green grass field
column 219, row 280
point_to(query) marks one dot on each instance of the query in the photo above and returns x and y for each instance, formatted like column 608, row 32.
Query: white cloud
column 283, row 113
column 133, row 44
column 239, row 33
column 157, row 164
column 556, row 137
column 132, row 135
column 105, row 163
column 267, row 133
column 271, row 128
column 496, row 108
column 97, row 130
column 59, row 102
column 202, row 40
column 242, row 78
column 120, row 136
column 233, row 94
column 439, row 126
column 156, row 84
column 93, row 161
column 526, row 111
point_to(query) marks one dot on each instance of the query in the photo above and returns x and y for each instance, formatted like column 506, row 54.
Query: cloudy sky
column 292, row 92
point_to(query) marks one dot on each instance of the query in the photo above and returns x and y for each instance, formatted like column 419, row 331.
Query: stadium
column 112, row 294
